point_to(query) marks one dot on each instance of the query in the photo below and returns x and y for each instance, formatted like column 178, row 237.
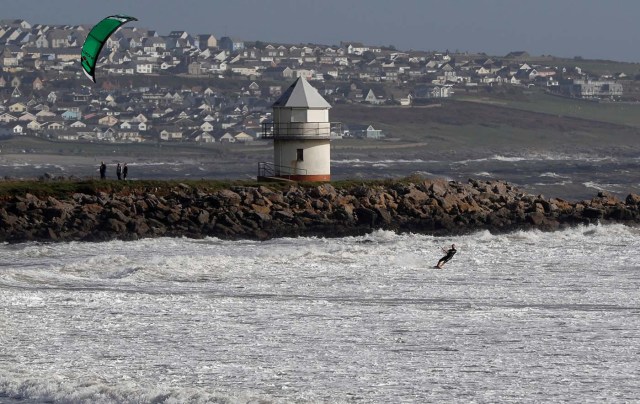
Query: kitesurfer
column 449, row 254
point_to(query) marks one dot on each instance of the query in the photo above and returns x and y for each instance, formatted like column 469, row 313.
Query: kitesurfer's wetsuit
column 452, row 251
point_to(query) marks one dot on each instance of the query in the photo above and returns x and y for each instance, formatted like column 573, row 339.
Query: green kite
column 96, row 40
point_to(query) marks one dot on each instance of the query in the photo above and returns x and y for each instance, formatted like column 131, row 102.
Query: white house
column 227, row 138
column 243, row 137
column 7, row 117
column 204, row 137
column 144, row 67
column 34, row 126
column 206, row 127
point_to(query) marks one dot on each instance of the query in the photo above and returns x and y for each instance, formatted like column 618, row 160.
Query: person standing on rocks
column 450, row 253
column 119, row 171
column 103, row 170
column 125, row 171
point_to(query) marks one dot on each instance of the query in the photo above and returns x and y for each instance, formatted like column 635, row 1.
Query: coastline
column 266, row 211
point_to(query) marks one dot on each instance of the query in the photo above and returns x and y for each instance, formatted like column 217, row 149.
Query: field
column 612, row 112
column 538, row 122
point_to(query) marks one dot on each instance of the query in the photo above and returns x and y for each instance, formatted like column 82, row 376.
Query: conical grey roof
column 301, row 94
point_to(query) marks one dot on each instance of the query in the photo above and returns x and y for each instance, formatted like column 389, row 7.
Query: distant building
column 207, row 41
column 372, row 133
column 592, row 89
column 231, row 44
column 517, row 55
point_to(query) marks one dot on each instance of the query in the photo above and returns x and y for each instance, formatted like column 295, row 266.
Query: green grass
column 66, row 188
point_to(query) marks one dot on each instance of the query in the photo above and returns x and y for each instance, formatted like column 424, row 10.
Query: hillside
column 505, row 125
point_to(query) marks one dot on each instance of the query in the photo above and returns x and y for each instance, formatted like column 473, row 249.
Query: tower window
column 300, row 154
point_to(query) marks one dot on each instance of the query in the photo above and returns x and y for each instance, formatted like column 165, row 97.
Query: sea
column 524, row 317
column 520, row 317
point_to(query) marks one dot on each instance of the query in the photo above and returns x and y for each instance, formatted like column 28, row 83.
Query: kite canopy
column 96, row 40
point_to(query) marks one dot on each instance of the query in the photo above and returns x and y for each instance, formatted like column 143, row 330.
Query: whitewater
column 520, row 317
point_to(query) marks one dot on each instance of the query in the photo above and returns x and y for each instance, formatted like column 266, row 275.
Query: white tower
column 301, row 132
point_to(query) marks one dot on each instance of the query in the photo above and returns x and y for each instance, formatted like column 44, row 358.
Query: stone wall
column 429, row 206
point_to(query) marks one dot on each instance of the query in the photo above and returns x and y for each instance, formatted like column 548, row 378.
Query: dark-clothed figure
column 125, row 171
column 450, row 253
column 103, row 170
column 119, row 171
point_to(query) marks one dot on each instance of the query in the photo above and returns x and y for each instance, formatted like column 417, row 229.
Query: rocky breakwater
column 263, row 212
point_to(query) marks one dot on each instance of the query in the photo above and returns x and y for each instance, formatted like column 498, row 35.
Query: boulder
column 633, row 199
column 229, row 197
column 438, row 188
column 536, row 219
column 590, row 212
column 203, row 217
column 365, row 217
column 384, row 216
column 415, row 196
column 285, row 215
column 115, row 226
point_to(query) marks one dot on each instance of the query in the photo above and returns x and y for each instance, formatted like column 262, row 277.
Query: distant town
column 186, row 87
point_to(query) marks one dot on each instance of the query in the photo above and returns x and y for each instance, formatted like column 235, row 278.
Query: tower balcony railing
column 269, row 170
column 301, row 130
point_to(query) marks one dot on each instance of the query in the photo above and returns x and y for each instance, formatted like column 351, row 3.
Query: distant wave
column 161, row 163
column 483, row 174
column 553, row 183
column 539, row 157
column 37, row 165
column 399, row 161
column 423, row 173
column 599, row 187
column 552, row 175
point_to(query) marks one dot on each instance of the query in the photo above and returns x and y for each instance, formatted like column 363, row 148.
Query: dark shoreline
column 262, row 212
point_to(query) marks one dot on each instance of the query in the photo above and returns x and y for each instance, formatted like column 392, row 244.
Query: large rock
column 438, row 187
column 229, row 197
column 633, row 199
column 592, row 213
column 415, row 196
column 365, row 217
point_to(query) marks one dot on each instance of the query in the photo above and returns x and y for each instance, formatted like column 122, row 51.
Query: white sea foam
column 423, row 173
column 385, row 161
column 599, row 187
column 561, row 183
column 552, row 175
column 361, row 319
column 483, row 174
column 540, row 157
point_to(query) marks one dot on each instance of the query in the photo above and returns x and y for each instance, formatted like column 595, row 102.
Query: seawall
column 262, row 212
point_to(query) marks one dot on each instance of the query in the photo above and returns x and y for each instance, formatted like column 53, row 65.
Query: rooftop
column 301, row 94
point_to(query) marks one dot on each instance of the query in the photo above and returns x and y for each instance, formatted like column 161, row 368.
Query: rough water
column 523, row 317
column 572, row 177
